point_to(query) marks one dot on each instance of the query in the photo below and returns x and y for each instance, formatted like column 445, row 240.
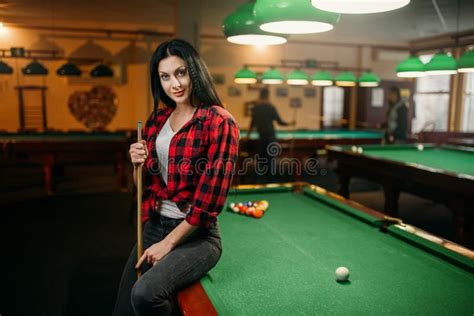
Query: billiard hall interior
column 360, row 202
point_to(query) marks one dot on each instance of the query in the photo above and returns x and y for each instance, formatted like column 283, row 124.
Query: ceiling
column 418, row 19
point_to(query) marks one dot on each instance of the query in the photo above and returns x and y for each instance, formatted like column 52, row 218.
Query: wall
column 134, row 96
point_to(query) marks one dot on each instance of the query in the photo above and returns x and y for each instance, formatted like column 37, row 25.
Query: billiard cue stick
column 139, row 204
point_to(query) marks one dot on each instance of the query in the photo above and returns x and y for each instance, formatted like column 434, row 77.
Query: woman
column 188, row 153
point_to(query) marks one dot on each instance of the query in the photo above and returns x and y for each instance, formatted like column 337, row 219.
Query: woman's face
column 175, row 80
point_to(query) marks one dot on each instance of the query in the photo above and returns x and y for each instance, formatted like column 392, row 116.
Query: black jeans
column 268, row 152
column 155, row 290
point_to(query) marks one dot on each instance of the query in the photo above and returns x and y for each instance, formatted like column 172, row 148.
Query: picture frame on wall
column 281, row 92
column 219, row 79
column 295, row 103
column 310, row 93
column 234, row 91
column 248, row 106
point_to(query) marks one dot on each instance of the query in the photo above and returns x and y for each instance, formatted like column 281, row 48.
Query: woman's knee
column 148, row 293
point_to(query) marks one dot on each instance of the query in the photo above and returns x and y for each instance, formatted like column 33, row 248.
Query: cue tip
column 139, row 124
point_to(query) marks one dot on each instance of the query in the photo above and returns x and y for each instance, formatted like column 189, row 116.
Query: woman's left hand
column 155, row 253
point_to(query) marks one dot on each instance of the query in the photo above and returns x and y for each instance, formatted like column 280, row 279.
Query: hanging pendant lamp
column 412, row 67
column 245, row 76
column 293, row 17
column 441, row 64
column 322, row 78
column 359, row 6
column 240, row 28
column 273, row 76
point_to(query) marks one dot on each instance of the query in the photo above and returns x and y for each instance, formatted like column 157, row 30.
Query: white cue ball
column 420, row 147
column 342, row 274
column 359, row 150
column 354, row 149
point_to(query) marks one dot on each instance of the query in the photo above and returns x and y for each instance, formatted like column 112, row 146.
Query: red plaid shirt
column 202, row 157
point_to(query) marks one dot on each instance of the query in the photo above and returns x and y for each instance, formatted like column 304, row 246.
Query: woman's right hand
column 138, row 153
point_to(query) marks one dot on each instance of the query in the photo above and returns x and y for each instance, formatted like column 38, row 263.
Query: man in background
column 396, row 126
column 263, row 116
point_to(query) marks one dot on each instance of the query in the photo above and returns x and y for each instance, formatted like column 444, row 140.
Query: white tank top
column 163, row 140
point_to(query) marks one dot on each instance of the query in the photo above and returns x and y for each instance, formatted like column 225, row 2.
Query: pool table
column 304, row 144
column 444, row 174
column 54, row 150
column 284, row 263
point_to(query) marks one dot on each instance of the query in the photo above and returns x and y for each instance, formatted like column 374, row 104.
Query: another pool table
column 444, row 174
column 304, row 144
column 53, row 150
column 307, row 142
column 284, row 263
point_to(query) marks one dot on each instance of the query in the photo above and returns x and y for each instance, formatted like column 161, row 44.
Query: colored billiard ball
column 264, row 204
column 250, row 211
column 258, row 213
column 342, row 274
column 359, row 150
column 233, row 207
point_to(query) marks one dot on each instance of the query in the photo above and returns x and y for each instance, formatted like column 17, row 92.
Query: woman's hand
column 138, row 153
column 155, row 253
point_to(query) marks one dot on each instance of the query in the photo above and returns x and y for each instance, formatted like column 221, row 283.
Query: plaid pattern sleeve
column 215, row 179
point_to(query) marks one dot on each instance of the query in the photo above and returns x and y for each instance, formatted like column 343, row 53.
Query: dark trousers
column 155, row 291
column 268, row 151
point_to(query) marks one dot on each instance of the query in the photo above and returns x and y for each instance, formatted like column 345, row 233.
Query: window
column 431, row 102
column 333, row 106
column 468, row 113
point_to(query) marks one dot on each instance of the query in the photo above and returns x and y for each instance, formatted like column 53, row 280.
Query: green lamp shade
column 102, row 70
column 272, row 76
column 34, row 68
column 297, row 78
column 369, row 79
column 245, row 76
column 466, row 62
column 5, row 69
column 346, row 79
column 240, row 28
column 69, row 69
column 322, row 78
column 359, row 6
column 412, row 67
column 441, row 64
column 293, row 17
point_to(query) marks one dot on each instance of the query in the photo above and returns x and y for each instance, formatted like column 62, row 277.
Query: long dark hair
column 203, row 87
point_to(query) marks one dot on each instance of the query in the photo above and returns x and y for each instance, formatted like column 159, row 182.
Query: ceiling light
column 245, row 76
column 69, row 69
column 369, row 79
column 297, row 78
column 359, row 6
column 272, row 76
column 441, row 64
column 346, row 79
column 102, row 70
column 293, row 17
column 412, row 67
column 34, row 68
column 5, row 69
column 322, row 78
column 240, row 28
column 466, row 62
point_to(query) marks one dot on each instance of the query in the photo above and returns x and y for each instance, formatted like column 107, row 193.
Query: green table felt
column 442, row 158
column 285, row 262
column 320, row 134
